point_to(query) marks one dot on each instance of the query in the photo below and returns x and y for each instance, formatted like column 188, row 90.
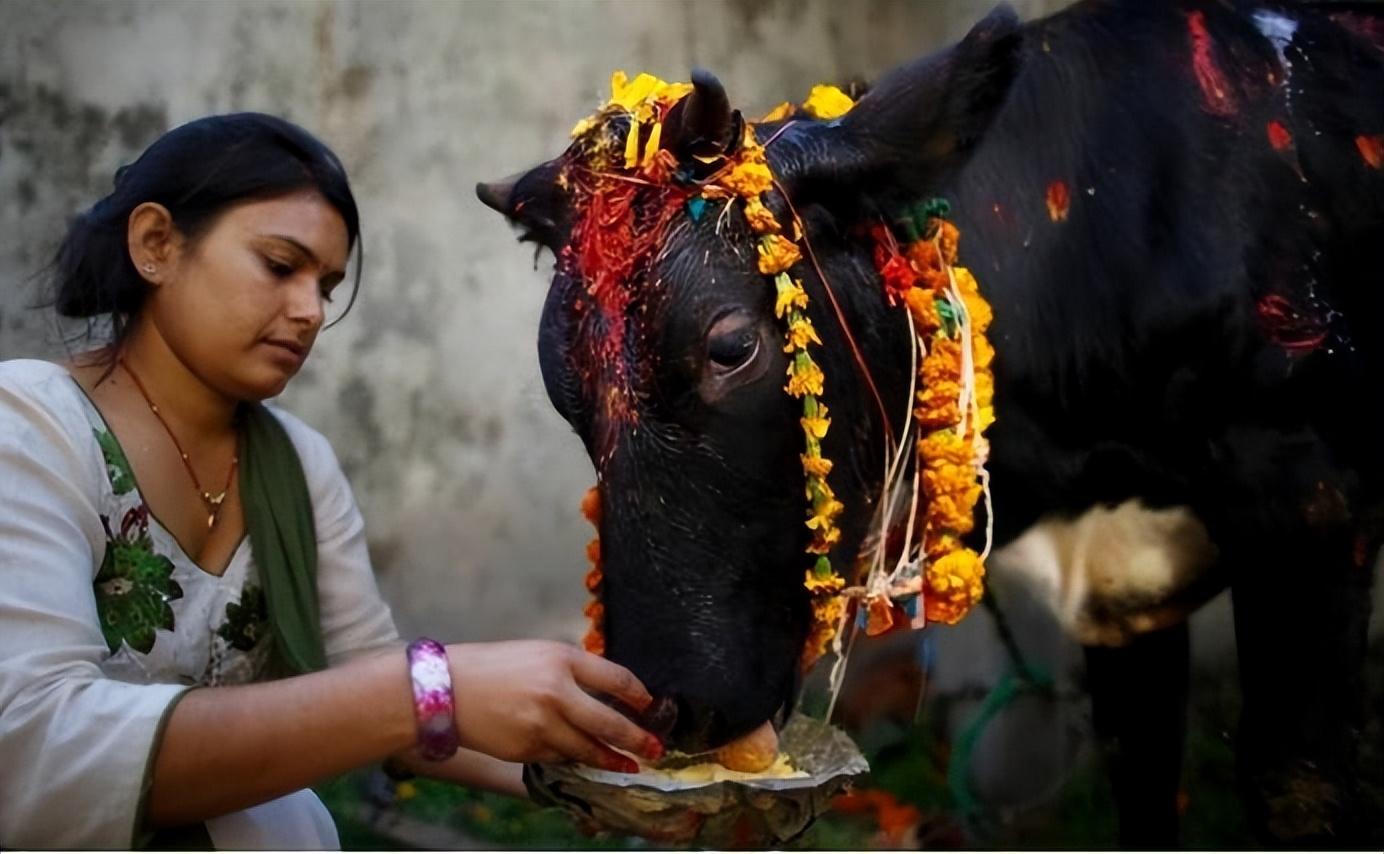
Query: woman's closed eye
column 279, row 269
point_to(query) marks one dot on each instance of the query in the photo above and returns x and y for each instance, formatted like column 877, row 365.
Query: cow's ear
column 534, row 201
column 917, row 125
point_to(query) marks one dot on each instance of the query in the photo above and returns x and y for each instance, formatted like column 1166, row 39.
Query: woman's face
column 241, row 305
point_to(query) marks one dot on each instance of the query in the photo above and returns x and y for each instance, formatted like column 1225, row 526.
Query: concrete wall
column 430, row 391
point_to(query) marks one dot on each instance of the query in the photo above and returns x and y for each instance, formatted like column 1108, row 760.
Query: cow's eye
column 732, row 342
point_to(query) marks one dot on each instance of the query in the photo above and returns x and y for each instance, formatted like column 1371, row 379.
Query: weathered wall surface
column 430, row 391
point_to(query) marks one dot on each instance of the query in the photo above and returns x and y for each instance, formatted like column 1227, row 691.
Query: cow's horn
column 701, row 124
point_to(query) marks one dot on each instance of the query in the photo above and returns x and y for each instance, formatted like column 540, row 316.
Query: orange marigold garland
column 953, row 408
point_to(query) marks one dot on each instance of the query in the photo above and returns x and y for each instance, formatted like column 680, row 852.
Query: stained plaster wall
column 430, row 391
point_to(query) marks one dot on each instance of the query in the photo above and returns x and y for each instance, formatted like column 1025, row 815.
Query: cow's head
column 659, row 344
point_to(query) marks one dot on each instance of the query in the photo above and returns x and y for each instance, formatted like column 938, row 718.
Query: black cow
column 1177, row 211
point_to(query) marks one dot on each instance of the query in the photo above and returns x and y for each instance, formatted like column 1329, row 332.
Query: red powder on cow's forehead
column 1215, row 90
column 620, row 227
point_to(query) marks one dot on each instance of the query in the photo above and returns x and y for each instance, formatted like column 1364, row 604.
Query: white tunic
column 105, row 621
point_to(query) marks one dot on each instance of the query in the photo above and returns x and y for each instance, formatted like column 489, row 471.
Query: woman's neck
column 186, row 401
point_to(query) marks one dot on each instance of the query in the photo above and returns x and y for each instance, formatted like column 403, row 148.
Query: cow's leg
column 1301, row 615
column 1139, row 706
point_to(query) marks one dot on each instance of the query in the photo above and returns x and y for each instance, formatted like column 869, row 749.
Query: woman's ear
column 153, row 241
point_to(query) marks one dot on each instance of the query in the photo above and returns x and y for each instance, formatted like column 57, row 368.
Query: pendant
column 213, row 503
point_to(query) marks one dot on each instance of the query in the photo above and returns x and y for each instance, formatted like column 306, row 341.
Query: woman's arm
column 227, row 748
column 475, row 770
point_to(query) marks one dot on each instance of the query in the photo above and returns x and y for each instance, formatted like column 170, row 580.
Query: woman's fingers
column 573, row 744
column 600, row 721
column 598, row 675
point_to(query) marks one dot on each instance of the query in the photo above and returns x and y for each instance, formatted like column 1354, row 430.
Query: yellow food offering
column 751, row 753
column 715, row 772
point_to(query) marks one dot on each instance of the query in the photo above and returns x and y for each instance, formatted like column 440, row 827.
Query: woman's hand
column 530, row 701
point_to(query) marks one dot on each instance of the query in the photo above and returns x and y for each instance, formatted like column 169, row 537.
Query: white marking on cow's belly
column 1113, row 572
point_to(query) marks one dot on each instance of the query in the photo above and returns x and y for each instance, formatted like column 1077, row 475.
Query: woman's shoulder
column 30, row 375
column 33, row 389
column 42, row 418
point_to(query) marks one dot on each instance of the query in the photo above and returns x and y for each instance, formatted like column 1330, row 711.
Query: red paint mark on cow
column 1289, row 328
column 1372, row 150
column 1279, row 136
column 1215, row 90
column 614, row 241
column 1059, row 201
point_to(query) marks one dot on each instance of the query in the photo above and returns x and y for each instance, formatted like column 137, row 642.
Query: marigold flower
column 593, row 579
column 824, row 541
column 816, row 426
column 790, row 295
column 985, row 388
column 939, row 405
column 965, row 282
column 591, row 505
column 748, row 178
column 760, row 218
column 942, row 364
column 830, row 583
column 800, row 333
column 826, row 614
column 985, row 416
column 632, row 147
column 937, row 544
column 979, row 313
column 779, row 113
column 946, row 479
column 923, row 306
column 594, row 642
column 593, row 550
column 954, row 511
column 982, row 353
column 898, row 277
column 804, row 378
column 776, row 254
column 949, row 238
column 827, row 102
column 815, row 466
column 924, row 256
column 944, row 446
column 953, row 585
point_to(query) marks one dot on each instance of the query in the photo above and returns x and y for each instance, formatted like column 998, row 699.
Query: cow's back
column 1179, row 216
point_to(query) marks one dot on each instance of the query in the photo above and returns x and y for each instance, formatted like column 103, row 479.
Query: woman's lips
column 289, row 352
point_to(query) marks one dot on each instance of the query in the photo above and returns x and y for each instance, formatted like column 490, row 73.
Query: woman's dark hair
column 196, row 171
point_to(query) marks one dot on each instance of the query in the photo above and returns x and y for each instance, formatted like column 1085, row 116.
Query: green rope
column 1026, row 678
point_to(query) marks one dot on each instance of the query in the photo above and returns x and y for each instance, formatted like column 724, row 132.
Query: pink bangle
column 433, row 705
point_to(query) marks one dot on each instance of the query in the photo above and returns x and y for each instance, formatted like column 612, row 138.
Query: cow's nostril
column 694, row 728
column 660, row 717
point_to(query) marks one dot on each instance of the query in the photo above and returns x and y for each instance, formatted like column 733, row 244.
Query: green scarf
column 278, row 516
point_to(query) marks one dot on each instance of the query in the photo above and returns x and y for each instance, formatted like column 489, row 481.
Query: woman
column 168, row 544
